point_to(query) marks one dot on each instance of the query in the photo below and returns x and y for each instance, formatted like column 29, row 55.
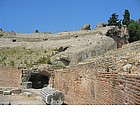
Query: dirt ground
column 26, row 98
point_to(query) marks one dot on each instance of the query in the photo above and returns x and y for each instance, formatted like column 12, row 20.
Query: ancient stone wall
column 104, row 87
column 76, row 83
column 126, row 90
column 10, row 77
column 83, row 85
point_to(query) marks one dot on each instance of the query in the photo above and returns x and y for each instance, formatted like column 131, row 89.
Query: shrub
column 48, row 61
column 25, row 61
column 36, row 31
column 45, row 51
column 43, row 60
column 4, row 63
column 37, row 54
column 12, row 63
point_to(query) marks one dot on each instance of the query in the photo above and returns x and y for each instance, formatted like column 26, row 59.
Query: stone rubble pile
column 52, row 96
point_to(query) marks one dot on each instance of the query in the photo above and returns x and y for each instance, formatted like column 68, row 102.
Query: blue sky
column 61, row 15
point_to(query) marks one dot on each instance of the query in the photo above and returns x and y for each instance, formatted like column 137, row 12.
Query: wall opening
column 39, row 81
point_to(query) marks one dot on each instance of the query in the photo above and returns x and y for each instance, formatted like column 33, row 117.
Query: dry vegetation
column 22, row 57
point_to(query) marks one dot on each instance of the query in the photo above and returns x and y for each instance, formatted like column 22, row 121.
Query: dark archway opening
column 39, row 81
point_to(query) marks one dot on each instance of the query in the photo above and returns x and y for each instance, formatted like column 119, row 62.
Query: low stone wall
column 10, row 77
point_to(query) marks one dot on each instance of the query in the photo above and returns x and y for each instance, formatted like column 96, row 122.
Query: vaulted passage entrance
column 39, row 81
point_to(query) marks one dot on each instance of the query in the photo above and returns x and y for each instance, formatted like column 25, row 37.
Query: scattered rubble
column 85, row 27
column 52, row 96
column 101, row 25
column 127, row 68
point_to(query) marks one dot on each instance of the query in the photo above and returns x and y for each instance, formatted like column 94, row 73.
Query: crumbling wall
column 10, row 77
column 83, row 85
column 104, row 87
column 126, row 90
column 76, row 83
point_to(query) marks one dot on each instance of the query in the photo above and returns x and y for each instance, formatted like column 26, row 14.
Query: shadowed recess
column 39, row 81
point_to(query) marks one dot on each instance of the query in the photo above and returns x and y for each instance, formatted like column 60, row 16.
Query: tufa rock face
column 96, row 45
column 86, row 27
column 101, row 25
column 121, row 36
column 124, row 32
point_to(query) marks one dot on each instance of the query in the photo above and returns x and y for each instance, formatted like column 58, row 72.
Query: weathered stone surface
column 127, row 68
column 1, row 91
column 101, row 25
column 85, row 27
column 121, row 36
column 69, row 42
column 38, row 98
column 10, row 77
column 83, row 85
column 52, row 96
column 26, row 74
column 16, row 91
column 91, row 47
column 26, row 85
column 138, row 65
column 7, row 92
column 5, row 103
column 28, row 94
column 124, row 32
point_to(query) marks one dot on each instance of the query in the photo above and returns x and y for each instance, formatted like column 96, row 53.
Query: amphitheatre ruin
column 85, row 67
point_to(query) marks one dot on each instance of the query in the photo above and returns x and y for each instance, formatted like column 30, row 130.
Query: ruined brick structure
column 83, row 85
column 10, row 77
column 126, row 89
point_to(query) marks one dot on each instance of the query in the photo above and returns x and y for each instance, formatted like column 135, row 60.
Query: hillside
column 62, row 49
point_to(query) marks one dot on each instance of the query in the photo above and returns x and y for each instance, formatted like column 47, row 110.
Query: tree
column 36, row 31
column 114, row 21
column 126, row 19
column 133, row 25
column 134, row 30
